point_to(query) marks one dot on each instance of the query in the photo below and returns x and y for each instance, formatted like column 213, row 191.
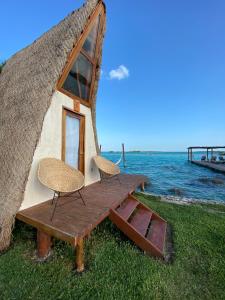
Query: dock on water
column 209, row 160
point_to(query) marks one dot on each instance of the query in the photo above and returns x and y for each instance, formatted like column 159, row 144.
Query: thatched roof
column 27, row 83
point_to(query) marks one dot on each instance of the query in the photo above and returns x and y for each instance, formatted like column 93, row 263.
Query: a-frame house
column 48, row 109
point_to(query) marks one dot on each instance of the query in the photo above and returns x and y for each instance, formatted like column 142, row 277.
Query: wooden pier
column 217, row 167
column 208, row 161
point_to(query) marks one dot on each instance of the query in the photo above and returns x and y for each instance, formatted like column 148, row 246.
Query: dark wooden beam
column 207, row 147
column 44, row 243
column 142, row 186
column 80, row 255
column 123, row 153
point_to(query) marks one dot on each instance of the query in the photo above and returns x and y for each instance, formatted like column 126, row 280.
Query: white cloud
column 120, row 73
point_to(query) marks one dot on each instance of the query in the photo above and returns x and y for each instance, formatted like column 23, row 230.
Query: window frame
column 66, row 111
column 100, row 10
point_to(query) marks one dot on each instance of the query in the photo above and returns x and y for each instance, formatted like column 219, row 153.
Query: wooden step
column 127, row 207
column 140, row 220
column 142, row 225
column 156, row 234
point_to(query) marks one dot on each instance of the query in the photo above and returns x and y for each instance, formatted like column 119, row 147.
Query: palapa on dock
column 217, row 166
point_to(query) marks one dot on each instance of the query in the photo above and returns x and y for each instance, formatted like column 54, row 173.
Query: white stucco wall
column 50, row 145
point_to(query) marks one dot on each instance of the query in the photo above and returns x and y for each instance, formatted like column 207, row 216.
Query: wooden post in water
column 188, row 154
column 191, row 154
column 207, row 154
column 123, row 153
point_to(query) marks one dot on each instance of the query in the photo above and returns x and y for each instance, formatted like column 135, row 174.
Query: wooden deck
column 218, row 167
column 73, row 221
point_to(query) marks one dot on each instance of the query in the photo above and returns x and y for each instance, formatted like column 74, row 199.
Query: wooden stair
column 142, row 225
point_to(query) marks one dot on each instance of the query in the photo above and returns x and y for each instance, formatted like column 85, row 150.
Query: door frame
column 66, row 111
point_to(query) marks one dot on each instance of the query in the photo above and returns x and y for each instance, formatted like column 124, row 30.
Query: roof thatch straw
column 27, row 83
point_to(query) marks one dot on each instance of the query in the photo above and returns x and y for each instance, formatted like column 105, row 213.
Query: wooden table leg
column 143, row 186
column 80, row 255
column 43, row 245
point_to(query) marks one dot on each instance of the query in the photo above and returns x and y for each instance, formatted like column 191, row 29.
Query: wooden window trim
column 100, row 10
column 97, row 49
column 75, row 98
column 66, row 111
column 91, row 60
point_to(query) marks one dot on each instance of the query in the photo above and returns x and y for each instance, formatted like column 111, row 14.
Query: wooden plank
column 157, row 234
column 127, row 208
column 141, row 219
column 134, row 235
column 51, row 230
column 146, row 207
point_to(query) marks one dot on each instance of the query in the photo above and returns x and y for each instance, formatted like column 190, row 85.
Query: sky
column 163, row 72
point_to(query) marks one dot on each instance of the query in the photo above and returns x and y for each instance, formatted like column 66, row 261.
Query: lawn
column 116, row 269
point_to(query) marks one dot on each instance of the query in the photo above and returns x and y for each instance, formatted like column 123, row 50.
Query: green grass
column 116, row 269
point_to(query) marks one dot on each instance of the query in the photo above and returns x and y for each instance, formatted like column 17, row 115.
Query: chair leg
column 53, row 198
column 101, row 176
column 82, row 197
column 56, row 201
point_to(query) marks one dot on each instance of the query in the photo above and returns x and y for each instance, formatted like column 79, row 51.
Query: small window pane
column 71, row 84
column 90, row 43
column 78, row 81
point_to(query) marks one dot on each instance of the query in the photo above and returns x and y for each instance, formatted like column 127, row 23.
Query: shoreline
column 182, row 200
column 172, row 176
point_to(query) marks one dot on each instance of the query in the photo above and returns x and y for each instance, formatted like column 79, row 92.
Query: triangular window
column 78, row 82
column 90, row 43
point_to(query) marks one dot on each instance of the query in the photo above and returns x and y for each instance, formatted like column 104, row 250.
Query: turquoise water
column 172, row 174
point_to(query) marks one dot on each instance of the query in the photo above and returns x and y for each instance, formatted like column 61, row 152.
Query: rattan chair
column 106, row 168
column 61, row 178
